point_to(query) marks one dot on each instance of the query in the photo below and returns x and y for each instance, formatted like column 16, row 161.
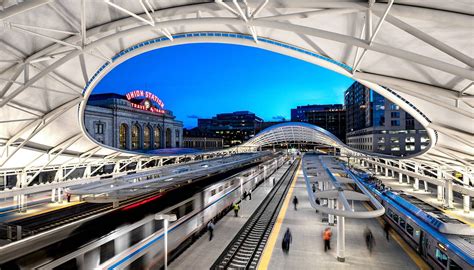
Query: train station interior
column 294, row 196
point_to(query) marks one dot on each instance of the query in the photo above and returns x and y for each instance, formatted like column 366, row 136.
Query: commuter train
column 140, row 245
column 425, row 229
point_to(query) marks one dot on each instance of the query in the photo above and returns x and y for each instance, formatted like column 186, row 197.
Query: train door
column 423, row 244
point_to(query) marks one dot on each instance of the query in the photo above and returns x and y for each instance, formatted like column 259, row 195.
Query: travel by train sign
column 144, row 100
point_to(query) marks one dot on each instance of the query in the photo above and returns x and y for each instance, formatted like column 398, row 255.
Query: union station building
column 135, row 121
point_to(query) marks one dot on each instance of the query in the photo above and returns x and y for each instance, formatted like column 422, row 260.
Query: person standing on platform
column 386, row 229
column 295, row 202
column 285, row 244
column 245, row 195
column 68, row 196
column 236, row 209
column 210, row 228
column 327, row 234
column 318, row 202
column 314, row 188
column 250, row 194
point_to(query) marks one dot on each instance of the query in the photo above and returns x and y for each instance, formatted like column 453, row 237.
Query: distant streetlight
column 166, row 219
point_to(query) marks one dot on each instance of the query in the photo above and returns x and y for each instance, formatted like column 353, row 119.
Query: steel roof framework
column 52, row 53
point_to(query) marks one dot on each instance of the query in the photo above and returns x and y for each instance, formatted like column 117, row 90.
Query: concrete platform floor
column 307, row 250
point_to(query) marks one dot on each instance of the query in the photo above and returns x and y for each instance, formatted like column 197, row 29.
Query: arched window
column 177, row 138
column 168, row 138
column 157, row 138
column 123, row 136
column 135, row 137
column 147, row 137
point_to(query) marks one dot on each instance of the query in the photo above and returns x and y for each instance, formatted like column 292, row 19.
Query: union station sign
column 147, row 101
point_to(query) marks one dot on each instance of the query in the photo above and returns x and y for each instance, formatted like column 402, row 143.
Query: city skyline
column 199, row 89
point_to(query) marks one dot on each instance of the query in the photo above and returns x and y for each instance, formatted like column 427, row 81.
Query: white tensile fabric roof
column 294, row 132
column 418, row 54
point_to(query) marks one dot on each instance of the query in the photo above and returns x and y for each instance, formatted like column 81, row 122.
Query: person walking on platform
column 327, row 234
column 295, row 202
column 236, row 208
column 285, row 244
column 250, row 194
column 318, row 202
column 386, row 229
column 245, row 195
column 369, row 239
column 210, row 228
column 314, row 188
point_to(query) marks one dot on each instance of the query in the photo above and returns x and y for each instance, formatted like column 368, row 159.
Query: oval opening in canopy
column 143, row 103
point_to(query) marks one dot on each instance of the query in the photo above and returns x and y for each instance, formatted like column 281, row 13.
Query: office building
column 234, row 128
column 376, row 124
column 331, row 117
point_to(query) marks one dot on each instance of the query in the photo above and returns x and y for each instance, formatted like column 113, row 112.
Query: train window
column 213, row 192
column 188, row 207
column 71, row 264
column 232, row 182
column 409, row 229
column 107, row 251
column 395, row 218
column 137, row 264
column 441, row 257
column 390, row 212
column 158, row 225
column 221, row 188
column 454, row 266
column 402, row 223
column 136, row 236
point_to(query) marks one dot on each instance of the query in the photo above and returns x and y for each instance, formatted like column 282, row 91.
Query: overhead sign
column 144, row 100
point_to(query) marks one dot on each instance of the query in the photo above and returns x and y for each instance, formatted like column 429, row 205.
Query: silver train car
column 140, row 245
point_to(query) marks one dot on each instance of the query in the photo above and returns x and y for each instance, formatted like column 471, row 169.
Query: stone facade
column 111, row 120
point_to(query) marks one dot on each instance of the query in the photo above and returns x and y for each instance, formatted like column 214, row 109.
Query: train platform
column 37, row 203
column 307, row 250
column 203, row 253
column 430, row 197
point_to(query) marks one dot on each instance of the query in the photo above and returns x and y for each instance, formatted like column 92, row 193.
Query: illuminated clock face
column 147, row 104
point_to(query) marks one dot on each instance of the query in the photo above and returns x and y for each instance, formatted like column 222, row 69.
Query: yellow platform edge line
column 408, row 249
column 268, row 250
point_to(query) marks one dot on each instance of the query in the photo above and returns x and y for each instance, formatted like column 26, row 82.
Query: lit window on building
column 424, row 139
column 135, row 136
column 410, row 139
column 409, row 147
column 123, row 136
column 394, row 140
column 99, row 128
column 394, row 107
column 395, row 148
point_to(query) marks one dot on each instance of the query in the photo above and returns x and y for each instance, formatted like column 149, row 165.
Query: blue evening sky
column 201, row 80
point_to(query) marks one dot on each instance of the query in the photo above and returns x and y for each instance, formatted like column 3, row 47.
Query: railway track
column 247, row 246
